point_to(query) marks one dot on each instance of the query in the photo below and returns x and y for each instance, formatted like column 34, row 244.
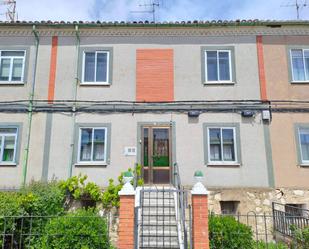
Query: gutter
column 75, row 84
column 30, row 108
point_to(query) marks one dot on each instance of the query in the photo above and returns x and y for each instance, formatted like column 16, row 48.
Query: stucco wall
column 187, row 67
column 277, row 67
column 189, row 144
column 288, row 173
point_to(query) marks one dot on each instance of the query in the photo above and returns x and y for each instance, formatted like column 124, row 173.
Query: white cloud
column 170, row 10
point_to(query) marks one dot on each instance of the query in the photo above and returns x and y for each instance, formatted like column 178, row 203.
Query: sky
column 169, row 10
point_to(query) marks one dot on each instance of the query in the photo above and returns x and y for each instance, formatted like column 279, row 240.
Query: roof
column 196, row 23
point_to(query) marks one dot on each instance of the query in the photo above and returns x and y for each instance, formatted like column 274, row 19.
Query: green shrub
column 43, row 199
column 270, row 245
column 81, row 230
column 301, row 238
column 226, row 232
column 76, row 186
column 110, row 197
column 10, row 209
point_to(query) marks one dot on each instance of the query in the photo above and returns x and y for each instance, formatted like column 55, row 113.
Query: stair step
column 159, row 241
column 158, row 211
column 159, row 231
column 159, row 202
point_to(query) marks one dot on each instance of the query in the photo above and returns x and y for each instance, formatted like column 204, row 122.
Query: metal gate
column 160, row 218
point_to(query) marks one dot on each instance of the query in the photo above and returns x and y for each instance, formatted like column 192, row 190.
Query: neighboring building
column 96, row 98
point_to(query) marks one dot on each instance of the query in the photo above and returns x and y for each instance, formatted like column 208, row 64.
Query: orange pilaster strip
column 52, row 70
column 154, row 75
column 260, row 54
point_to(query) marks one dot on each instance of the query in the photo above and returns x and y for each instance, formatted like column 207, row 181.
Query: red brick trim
column 126, row 222
column 200, row 232
column 260, row 54
column 52, row 70
column 154, row 75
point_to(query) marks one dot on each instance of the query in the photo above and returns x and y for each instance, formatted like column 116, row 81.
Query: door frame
column 172, row 127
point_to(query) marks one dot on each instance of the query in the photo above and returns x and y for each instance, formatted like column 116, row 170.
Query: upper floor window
column 96, row 67
column 300, row 65
column 92, row 145
column 218, row 66
column 221, row 145
column 8, row 138
column 303, row 134
column 12, row 64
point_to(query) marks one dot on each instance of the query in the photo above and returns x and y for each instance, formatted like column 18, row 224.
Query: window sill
column 91, row 164
column 299, row 82
column 94, row 84
column 305, row 165
column 214, row 83
column 224, row 165
column 8, row 164
column 12, row 83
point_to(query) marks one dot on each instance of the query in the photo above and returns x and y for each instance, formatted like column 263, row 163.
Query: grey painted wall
column 252, row 171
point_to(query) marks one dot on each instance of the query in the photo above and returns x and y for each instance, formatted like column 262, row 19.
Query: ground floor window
column 304, row 144
column 92, row 144
column 229, row 207
column 221, row 144
column 8, row 138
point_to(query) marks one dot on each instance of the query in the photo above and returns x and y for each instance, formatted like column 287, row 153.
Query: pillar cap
column 199, row 189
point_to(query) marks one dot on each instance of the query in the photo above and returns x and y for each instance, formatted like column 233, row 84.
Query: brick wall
column 200, row 222
column 126, row 222
column 154, row 75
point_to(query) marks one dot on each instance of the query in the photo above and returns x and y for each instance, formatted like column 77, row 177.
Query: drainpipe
column 30, row 109
column 75, row 84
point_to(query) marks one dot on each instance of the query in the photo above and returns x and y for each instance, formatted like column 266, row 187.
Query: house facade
column 98, row 98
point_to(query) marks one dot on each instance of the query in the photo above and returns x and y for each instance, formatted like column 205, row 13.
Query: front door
column 156, row 154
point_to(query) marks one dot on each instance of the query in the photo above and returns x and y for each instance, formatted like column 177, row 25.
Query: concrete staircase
column 158, row 220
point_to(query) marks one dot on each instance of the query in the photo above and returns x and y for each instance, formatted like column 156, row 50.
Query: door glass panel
column 161, row 148
column 146, row 147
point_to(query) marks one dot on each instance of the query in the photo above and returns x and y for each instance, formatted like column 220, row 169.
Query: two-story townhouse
column 286, row 60
column 96, row 98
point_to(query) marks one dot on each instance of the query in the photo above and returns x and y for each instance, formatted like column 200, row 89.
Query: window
column 295, row 210
column 96, row 67
column 12, row 65
column 221, row 145
column 303, row 134
column 92, row 145
column 300, row 65
column 8, row 138
column 229, row 207
column 218, row 66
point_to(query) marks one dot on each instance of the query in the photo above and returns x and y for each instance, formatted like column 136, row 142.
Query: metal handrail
column 181, row 203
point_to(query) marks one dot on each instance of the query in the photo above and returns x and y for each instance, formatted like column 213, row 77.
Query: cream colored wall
column 278, row 84
column 189, row 148
column 287, row 171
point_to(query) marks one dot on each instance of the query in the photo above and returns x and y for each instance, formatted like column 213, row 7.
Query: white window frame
column 3, row 135
column 305, row 162
column 11, row 65
column 79, row 146
column 95, row 70
column 230, row 66
column 291, row 65
column 222, row 162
